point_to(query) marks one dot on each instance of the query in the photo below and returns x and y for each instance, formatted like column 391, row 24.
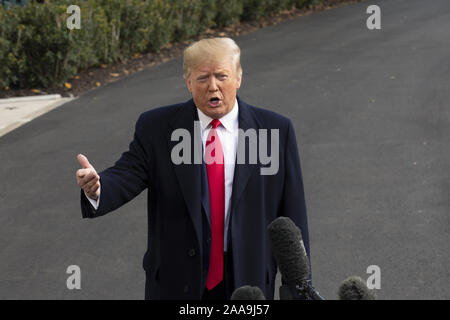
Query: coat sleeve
column 293, row 199
column 123, row 181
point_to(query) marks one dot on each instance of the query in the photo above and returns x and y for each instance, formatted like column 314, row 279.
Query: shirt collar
column 228, row 121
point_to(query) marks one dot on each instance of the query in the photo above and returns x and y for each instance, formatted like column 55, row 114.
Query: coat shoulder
column 269, row 119
column 161, row 113
column 158, row 118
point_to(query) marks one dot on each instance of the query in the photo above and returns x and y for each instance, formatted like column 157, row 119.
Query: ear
column 189, row 83
column 238, row 81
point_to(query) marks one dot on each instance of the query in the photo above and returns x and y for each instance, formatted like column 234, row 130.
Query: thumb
column 84, row 161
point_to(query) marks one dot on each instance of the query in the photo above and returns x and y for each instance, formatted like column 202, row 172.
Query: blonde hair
column 216, row 48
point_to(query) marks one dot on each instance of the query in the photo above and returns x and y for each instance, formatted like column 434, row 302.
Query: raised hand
column 87, row 178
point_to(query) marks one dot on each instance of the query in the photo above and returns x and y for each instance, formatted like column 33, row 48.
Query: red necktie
column 216, row 181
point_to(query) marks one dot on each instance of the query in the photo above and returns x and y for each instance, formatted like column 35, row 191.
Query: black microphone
column 289, row 252
column 248, row 293
column 354, row 288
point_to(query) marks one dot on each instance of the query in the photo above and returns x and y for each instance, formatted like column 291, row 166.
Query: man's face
column 213, row 86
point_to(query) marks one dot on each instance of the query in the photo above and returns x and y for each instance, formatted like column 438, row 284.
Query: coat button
column 186, row 289
column 191, row 253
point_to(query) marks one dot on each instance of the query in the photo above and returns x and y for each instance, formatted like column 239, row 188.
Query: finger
column 94, row 189
column 84, row 175
column 84, row 161
column 81, row 173
column 91, row 184
column 91, row 176
column 94, row 193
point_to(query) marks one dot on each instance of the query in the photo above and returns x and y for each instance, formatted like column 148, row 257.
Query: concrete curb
column 14, row 112
column 31, row 98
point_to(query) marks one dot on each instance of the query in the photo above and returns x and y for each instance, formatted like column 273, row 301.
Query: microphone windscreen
column 248, row 293
column 288, row 249
column 354, row 288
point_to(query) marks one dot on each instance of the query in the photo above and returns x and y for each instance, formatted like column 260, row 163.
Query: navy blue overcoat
column 176, row 261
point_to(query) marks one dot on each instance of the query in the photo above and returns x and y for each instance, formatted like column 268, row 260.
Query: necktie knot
column 215, row 123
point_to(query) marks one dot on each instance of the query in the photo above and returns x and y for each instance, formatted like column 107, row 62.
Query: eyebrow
column 202, row 76
column 218, row 73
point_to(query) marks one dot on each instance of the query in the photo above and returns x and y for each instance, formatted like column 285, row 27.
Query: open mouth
column 214, row 101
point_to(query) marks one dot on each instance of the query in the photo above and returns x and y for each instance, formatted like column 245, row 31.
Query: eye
column 202, row 78
column 222, row 77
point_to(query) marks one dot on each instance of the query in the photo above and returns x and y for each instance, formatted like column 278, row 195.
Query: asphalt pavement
column 372, row 118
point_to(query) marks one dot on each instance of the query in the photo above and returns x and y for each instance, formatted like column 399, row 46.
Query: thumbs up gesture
column 87, row 178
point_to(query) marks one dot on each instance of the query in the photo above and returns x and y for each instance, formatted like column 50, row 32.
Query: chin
column 216, row 112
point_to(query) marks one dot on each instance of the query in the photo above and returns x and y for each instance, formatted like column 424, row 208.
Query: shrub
column 39, row 46
column 38, row 50
column 228, row 12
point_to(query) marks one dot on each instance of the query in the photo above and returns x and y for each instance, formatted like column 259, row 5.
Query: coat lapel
column 205, row 193
column 189, row 175
column 243, row 172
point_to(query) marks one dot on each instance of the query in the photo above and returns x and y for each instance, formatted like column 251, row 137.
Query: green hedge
column 254, row 9
column 38, row 50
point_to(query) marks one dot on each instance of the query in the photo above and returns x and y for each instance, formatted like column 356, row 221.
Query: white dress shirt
column 228, row 134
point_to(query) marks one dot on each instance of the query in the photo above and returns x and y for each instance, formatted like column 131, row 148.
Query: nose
column 213, row 84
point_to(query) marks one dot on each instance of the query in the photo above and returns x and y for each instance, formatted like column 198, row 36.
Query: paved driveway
column 372, row 117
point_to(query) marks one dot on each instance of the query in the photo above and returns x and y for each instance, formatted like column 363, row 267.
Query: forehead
column 214, row 65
